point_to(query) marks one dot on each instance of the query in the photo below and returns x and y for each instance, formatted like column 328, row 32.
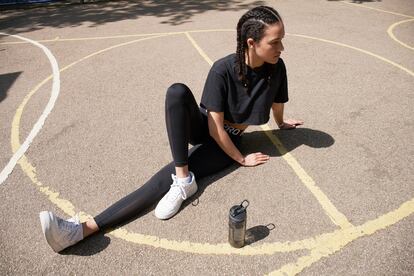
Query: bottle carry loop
column 241, row 204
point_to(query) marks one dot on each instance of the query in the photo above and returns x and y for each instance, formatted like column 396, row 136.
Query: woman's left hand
column 290, row 124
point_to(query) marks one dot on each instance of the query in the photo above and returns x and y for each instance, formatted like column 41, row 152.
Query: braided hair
column 252, row 25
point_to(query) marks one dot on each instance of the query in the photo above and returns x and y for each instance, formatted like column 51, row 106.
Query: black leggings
column 186, row 123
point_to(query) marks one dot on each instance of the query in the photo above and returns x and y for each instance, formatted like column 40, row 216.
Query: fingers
column 261, row 160
column 291, row 124
column 294, row 122
column 257, row 159
column 260, row 156
column 288, row 126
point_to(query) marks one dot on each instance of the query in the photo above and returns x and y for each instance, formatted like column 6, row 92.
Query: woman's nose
column 282, row 48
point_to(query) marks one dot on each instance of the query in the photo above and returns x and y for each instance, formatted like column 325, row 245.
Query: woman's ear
column 250, row 43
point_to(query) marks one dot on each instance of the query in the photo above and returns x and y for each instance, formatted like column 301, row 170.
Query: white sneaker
column 60, row 233
column 171, row 202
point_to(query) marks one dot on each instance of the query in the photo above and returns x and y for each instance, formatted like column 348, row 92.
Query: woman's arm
column 216, row 129
column 278, row 109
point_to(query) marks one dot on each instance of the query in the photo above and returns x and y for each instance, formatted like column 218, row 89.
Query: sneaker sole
column 166, row 216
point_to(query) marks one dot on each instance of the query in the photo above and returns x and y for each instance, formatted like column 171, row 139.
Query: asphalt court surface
column 338, row 190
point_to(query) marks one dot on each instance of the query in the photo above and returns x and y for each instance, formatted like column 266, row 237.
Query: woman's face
column 269, row 48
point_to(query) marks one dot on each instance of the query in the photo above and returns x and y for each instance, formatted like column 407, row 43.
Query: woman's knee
column 178, row 91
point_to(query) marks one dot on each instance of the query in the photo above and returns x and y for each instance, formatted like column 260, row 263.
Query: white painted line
column 390, row 32
column 39, row 124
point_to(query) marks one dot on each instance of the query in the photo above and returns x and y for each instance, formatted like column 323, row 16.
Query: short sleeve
column 282, row 92
column 213, row 98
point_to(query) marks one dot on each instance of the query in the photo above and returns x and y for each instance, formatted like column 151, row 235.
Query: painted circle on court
column 343, row 236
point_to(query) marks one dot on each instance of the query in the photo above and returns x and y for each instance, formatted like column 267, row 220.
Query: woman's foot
column 171, row 202
column 60, row 233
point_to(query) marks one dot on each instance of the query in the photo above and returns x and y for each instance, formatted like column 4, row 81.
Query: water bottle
column 237, row 224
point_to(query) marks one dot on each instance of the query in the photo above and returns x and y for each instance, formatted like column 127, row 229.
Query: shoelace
column 177, row 189
column 69, row 225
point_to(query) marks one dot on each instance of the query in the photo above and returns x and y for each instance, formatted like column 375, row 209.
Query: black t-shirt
column 224, row 92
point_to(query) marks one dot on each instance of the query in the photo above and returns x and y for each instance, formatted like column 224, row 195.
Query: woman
column 240, row 90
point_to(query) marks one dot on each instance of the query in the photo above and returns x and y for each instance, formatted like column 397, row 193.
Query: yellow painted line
column 391, row 34
column 212, row 249
column 375, row 9
column 202, row 53
column 336, row 217
column 58, row 39
column 212, row 30
column 328, row 244
column 408, row 71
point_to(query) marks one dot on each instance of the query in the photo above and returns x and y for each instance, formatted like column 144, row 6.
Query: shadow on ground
column 258, row 141
column 6, row 81
column 88, row 247
column 257, row 233
column 173, row 12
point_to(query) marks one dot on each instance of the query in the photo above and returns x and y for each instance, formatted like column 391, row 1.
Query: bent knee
column 178, row 91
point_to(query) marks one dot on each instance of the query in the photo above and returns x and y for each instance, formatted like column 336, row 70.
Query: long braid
column 252, row 25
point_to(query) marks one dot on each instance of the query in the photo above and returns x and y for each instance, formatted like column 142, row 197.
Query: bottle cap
column 238, row 212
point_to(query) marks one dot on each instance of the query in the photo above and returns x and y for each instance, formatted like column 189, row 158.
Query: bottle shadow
column 258, row 233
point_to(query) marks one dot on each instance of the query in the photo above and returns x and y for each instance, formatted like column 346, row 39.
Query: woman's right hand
column 254, row 159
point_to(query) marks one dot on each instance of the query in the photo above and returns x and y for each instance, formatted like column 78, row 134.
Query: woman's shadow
column 256, row 141
column 259, row 140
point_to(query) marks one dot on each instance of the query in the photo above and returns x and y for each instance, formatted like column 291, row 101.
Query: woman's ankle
column 89, row 227
column 182, row 172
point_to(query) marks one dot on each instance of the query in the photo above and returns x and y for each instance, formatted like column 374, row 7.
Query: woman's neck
column 252, row 61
